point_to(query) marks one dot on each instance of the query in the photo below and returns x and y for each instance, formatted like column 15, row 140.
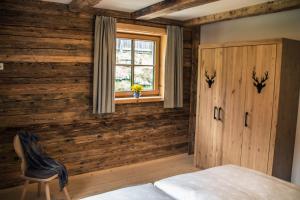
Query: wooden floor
column 101, row 181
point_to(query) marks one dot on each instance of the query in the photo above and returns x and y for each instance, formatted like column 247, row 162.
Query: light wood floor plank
column 102, row 181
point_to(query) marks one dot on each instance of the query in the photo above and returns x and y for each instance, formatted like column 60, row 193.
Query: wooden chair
column 19, row 150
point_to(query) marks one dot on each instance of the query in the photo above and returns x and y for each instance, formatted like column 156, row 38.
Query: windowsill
column 138, row 100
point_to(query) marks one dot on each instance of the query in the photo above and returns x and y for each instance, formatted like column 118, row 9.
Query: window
column 137, row 62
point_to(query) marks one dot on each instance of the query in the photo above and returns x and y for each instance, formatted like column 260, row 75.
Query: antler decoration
column 259, row 84
column 210, row 79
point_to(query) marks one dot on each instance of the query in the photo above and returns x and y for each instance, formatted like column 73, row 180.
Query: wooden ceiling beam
column 259, row 9
column 125, row 17
column 78, row 5
column 166, row 7
column 121, row 16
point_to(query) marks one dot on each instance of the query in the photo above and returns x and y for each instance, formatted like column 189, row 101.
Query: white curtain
column 173, row 68
column 104, row 65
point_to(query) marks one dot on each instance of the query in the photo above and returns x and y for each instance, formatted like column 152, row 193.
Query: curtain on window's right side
column 174, row 68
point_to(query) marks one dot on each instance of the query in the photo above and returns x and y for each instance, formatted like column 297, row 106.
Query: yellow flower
column 136, row 88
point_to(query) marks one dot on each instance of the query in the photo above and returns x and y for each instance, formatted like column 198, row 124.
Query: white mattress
column 140, row 192
column 228, row 182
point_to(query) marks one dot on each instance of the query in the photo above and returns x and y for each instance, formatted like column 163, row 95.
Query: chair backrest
column 19, row 150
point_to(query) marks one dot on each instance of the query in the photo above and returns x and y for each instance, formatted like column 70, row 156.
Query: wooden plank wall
column 196, row 31
column 46, row 88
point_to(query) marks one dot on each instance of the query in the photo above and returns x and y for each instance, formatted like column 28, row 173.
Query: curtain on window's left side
column 104, row 65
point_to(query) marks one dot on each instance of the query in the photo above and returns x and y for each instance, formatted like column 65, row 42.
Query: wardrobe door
column 235, row 63
column 208, row 136
column 258, row 106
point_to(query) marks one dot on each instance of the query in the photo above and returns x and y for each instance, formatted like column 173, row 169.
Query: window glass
column 143, row 52
column 135, row 63
column 123, row 78
column 144, row 76
column 123, row 51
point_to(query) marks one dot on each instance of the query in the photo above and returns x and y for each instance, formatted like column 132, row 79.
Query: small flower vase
column 136, row 94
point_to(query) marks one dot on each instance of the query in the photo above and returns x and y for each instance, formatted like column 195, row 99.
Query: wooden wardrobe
column 247, row 103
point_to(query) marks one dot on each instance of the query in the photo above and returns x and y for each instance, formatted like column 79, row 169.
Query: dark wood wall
column 46, row 88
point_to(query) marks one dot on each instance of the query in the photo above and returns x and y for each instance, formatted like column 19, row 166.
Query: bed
column 228, row 182
column 140, row 192
column 218, row 183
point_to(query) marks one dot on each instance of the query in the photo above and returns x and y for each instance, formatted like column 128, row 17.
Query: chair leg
column 24, row 189
column 47, row 189
column 67, row 193
column 39, row 189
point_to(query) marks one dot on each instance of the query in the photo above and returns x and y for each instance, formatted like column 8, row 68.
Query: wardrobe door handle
column 215, row 109
column 246, row 119
column 219, row 113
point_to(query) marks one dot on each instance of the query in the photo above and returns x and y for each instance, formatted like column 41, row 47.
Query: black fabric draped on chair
column 39, row 165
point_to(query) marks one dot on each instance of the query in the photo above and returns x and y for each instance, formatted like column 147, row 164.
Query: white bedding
column 228, row 182
column 140, row 192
